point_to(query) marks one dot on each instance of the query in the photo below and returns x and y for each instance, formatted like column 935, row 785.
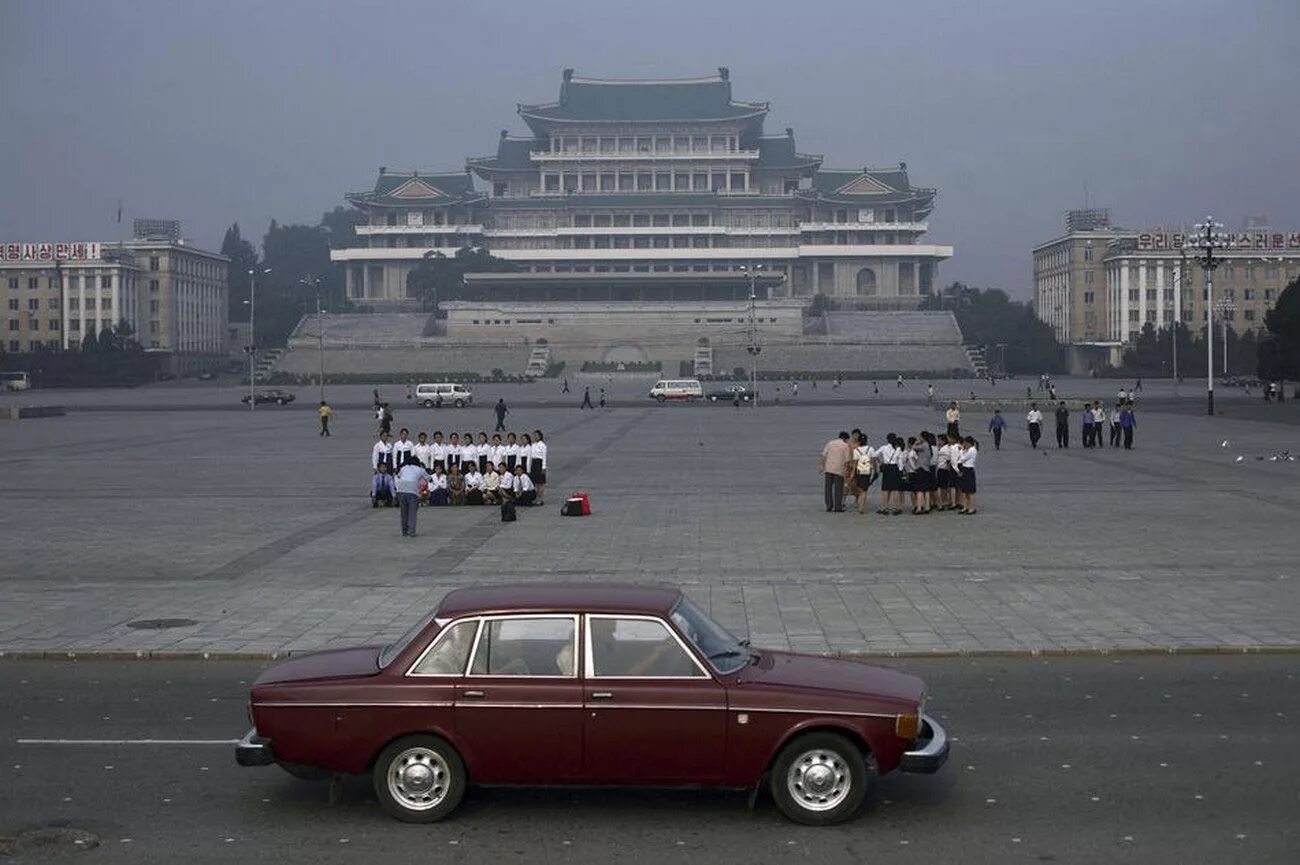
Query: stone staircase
column 266, row 361
column 703, row 360
column 977, row 359
column 539, row 361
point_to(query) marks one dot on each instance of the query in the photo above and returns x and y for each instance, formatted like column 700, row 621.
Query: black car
column 279, row 397
column 729, row 392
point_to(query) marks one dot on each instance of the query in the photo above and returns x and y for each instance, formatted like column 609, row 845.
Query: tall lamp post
column 1224, row 307
column 752, row 273
column 251, row 348
column 314, row 283
column 1206, row 238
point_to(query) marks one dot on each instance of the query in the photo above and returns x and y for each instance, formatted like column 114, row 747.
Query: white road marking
column 127, row 741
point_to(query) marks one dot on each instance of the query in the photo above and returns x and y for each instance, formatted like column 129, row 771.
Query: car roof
column 559, row 597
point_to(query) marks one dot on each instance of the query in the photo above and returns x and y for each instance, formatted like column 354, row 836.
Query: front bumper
column 930, row 751
column 254, row 750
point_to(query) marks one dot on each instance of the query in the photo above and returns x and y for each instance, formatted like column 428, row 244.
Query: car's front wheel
column 819, row 779
column 428, row 403
column 460, row 403
column 419, row 779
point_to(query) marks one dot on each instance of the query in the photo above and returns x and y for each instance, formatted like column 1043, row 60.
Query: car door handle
column 473, row 695
column 602, row 695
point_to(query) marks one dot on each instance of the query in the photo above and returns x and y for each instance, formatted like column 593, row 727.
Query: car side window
column 526, row 646
column 624, row 647
column 449, row 652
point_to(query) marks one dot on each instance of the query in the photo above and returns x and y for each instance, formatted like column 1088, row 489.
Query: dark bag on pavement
column 508, row 514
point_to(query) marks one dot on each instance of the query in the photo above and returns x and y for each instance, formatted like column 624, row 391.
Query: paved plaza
column 260, row 532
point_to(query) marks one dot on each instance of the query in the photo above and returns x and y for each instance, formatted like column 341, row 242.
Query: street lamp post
column 1224, row 307
column 1206, row 238
column 314, row 282
column 754, row 349
column 252, row 335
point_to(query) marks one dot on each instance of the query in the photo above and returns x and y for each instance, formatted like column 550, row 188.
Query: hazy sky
column 236, row 111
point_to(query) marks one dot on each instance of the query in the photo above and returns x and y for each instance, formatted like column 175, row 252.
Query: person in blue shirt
column 997, row 424
column 1127, row 423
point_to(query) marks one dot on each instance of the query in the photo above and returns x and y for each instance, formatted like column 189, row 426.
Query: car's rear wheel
column 819, row 779
column 419, row 779
column 428, row 403
column 460, row 403
column 662, row 398
column 280, row 401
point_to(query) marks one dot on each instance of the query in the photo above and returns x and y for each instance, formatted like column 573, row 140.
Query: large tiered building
column 654, row 177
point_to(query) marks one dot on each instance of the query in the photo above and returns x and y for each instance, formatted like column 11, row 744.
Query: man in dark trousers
column 1086, row 429
column 501, row 411
column 325, row 412
column 1062, row 426
column 586, row 398
column 1127, row 423
column 834, row 466
column 602, row 397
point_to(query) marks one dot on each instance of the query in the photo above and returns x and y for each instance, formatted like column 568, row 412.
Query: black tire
column 820, row 778
column 279, row 402
column 662, row 398
column 428, row 403
column 713, row 399
column 305, row 773
column 460, row 403
column 445, row 775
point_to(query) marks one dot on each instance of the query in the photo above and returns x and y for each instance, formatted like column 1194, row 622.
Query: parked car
column 729, row 393
column 684, row 389
column 279, row 397
column 436, row 394
column 593, row 685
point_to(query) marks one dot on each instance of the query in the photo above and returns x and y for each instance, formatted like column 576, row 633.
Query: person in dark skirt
column 891, row 484
column 537, row 464
column 966, row 482
column 512, row 452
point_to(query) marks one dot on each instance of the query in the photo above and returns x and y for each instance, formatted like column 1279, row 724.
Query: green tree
column 243, row 258
column 1281, row 358
column 989, row 317
column 438, row 278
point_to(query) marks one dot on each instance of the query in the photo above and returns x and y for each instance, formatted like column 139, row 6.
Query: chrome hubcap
column 819, row 780
column 418, row 779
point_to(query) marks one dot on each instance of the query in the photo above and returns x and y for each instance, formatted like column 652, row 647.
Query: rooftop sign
column 1240, row 240
column 39, row 252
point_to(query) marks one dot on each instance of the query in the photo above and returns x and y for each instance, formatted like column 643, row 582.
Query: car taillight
column 908, row 726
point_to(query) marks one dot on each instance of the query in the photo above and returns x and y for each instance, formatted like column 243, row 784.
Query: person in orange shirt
column 833, row 464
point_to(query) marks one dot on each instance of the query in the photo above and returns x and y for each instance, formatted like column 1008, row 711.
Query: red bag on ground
column 578, row 504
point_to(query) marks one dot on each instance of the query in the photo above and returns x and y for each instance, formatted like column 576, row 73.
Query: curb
column 854, row 654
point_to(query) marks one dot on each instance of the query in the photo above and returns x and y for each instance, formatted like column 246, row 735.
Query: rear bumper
column 931, row 750
column 254, row 750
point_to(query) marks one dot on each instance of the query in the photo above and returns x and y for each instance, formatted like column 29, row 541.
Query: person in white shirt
column 943, row 472
column 525, row 452
column 438, row 451
column 953, row 418
column 473, row 485
column 511, row 452
column 1114, row 426
column 1035, row 421
column 438, row 487
column 496, row 451
column 452, row 451
column 891, row 486
column 382, row 452
column 864, row 469
column 481, row 452
column 537, row 464
column 421, row 449
column 966, row 461
column 403, row 448
column 525, row 490
column 1099, row 417
column 491, row 485
column 507, row 483
column 468, row 451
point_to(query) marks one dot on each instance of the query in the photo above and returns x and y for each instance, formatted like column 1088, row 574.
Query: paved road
column 1089, row 760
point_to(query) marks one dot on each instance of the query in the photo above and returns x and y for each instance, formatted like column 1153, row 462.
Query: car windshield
column 393, row 649
column 725, row 653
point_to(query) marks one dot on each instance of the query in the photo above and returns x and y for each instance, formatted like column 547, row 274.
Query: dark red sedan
column 591, row 684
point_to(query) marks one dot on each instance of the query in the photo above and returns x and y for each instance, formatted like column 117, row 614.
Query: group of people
column 457, row 471
column 1095, row 421
column 931, row 473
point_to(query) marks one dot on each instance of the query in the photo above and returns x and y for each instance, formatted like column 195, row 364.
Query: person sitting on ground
column 438, row 487
column 491, row 485
column 507, row 491
column 473, row 485
column 382, row 489
column 456, row 486
column 525, row 490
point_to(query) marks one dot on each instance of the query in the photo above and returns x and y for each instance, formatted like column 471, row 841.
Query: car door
column 518, row 710
column 654, row 714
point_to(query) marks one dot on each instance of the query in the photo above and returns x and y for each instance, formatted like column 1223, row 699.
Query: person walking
column 1127, row 423
column 602, row 397
column 565, row 389
column 1085, row 424
column 833, row 465
column 501, row 411
column 1114, row 425
column 900, row 381
column 586, row 398
column 325, row 412
column 1062, row 426
column 412, row 482
column 929, row 394
column 1035, row 421
column 953, row 417
column 996, row 425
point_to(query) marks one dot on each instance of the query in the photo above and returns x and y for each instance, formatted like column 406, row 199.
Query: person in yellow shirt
column 325, row 413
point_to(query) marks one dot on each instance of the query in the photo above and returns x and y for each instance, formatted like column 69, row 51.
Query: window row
column 637, row 181
column 547, row 646
column 644, row 144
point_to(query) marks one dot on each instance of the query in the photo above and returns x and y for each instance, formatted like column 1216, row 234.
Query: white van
column 678, row 388
column 432, row 394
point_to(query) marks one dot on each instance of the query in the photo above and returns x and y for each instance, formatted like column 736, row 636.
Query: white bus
column 15, row 381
